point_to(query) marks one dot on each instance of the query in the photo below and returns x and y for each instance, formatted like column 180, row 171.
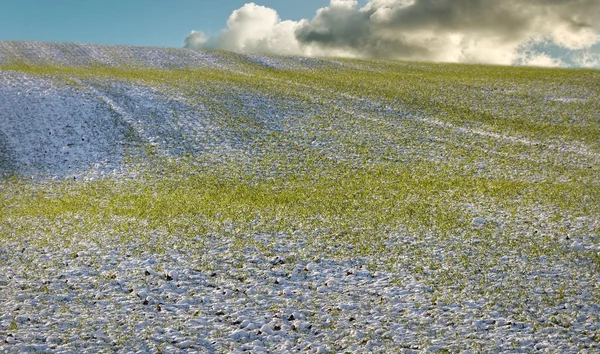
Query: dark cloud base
column 533, row 32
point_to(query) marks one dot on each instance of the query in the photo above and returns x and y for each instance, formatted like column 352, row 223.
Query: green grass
column 506, row 100
column 355, row 205
column 380, row 174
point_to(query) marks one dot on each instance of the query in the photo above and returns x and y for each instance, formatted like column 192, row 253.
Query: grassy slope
column 395, row 167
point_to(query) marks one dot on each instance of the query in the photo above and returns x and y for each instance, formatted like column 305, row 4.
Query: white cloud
column 475, row 31
column 540, row 59
column 575, row 38
column 196, row 39
column 254, row 29
column 587, row 59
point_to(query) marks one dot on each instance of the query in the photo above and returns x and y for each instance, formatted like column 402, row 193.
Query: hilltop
column 70, row 108
column 73, row 108
column 162, row 199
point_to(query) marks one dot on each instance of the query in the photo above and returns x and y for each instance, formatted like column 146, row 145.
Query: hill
column 167, row 199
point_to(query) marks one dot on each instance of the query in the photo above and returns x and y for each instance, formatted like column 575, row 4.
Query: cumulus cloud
column 196, row 39
column 531, row 58
column 587, row 59
column 481, row 31
column 252, row 29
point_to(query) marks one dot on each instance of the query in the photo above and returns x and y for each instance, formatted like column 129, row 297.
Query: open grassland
column 273, row 203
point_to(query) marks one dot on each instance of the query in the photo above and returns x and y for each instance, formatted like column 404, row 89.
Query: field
column 161, row 200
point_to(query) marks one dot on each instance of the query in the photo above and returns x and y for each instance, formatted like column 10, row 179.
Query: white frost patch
column 566, row 99
column 53, row 129
column 75, row 54
column 50, row 128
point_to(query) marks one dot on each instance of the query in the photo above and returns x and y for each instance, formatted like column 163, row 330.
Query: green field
column 480, row 183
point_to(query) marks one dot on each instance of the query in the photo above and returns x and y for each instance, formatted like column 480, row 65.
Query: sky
column 507, row 32
column 133, row 22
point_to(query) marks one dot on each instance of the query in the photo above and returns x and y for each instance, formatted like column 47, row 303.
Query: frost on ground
column 158, row 200
column 96, row 297
column 48, row 127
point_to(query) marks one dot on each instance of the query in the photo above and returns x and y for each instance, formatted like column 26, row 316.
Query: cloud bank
column 532, row 32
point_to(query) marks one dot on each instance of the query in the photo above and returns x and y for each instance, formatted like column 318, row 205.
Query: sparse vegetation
column 478, row 184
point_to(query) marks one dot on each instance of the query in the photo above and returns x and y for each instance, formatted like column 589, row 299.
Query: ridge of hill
column 71, row 108
column 77, row 54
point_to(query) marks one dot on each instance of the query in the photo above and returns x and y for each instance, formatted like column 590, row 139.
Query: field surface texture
column 164, row 200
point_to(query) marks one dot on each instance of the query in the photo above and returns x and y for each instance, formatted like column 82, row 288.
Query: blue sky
column 135, row 22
